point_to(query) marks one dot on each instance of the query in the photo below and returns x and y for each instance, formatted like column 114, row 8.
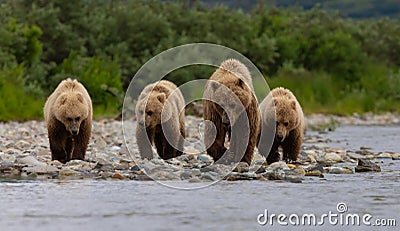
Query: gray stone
column 241, row 167
column 31, row 161
column 367, row 166
column 204, row 158
column 355, row 156
column 208, row 176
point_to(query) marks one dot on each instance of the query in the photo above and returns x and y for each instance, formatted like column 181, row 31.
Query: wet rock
column 204, row 158
column 355, row 156
column 39, row 169
column 104, row 165
column 284, row 174
column 31, row 161
column 208, row 176
column 186, row 175
column 367, row 166
column 315, row 170
column 194, row 180
column 277, row 165
column 241, row 167
column 340, row 170
column 333, row 157
column 118, row 175
column 235, row 176
column 67, row 172
column 384, row 155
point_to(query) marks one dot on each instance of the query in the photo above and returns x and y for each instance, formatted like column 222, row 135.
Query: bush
column 100, row 76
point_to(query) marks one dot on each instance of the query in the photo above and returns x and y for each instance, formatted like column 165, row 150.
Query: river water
column 137, row 205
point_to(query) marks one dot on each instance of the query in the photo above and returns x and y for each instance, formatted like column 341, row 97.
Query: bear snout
column 279, row 137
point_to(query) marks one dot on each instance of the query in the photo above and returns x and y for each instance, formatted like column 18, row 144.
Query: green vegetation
column 333, row 64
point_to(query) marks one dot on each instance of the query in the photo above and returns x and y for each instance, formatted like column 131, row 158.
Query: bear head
column 286, row 116
column 152, row 109
column 71, row 109
column 231, row 99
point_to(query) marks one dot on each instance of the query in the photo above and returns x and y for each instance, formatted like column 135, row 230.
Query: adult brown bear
column 68, row 116
column 231, row 105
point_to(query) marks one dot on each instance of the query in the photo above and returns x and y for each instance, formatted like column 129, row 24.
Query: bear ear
column 62, row 99
column 161, row 97
column 79, row 96
column 214, row 85
column 293, row 104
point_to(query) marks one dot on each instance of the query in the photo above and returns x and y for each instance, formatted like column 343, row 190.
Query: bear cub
column 160, row 120
column 281, row 110
column 68, row 116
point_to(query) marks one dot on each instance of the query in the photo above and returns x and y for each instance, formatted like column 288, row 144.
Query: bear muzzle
column 74, row 127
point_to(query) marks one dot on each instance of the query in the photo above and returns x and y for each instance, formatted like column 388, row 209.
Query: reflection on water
column 132, row 205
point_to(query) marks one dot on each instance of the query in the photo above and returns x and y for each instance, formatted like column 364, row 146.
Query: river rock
column 340, row 170
column 384, row 155
column 22, row 144
column 355, row 156
column 277, row 165
column 208, row 176
column 31, row 161
column 333, row 157
column 241, row 167
column 204, row 158
column 367, row 166
column 118, row 175
column 280, row 173
column 40, row 169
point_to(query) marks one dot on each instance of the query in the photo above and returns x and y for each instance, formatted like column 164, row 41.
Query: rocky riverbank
column 25, row 154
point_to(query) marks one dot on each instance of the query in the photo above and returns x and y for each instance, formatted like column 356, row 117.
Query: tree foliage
column 104, row 42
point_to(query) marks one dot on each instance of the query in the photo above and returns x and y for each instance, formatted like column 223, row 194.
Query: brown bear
column 160, row 120
column 68, row 115
column 231, row 106
column 281, row 114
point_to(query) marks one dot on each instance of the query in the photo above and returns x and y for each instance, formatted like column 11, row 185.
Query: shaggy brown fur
column 160, row 120
column 230, row 104
column 281, row 108
column 68, row 115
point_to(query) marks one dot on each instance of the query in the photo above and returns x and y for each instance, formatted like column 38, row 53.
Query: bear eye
column 149, row 113
column 69, row 119
column 286, row 124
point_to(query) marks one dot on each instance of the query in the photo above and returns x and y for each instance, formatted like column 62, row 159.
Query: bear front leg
column 217, row 148
column 57, row 140
column 143, row 141
column 292, row 146
column 273, row 155
column 81, row 141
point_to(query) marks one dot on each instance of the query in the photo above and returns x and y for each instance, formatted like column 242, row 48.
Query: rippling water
column 133, row 205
